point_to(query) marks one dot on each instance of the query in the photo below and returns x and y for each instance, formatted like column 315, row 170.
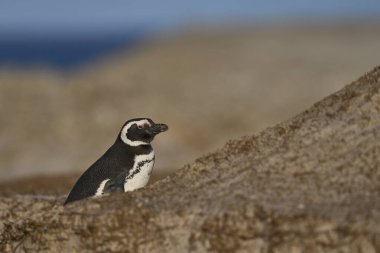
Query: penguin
column 125, row 166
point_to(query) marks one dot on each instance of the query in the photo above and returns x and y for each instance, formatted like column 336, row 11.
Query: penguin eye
column 140, row 126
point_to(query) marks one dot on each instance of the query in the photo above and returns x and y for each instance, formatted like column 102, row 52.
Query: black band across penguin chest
column 140, row 165
column 139, row 175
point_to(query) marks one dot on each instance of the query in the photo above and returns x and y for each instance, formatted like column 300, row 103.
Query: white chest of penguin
column 140, row 173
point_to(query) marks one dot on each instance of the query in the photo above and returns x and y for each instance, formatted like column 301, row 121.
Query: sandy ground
column 208, row 86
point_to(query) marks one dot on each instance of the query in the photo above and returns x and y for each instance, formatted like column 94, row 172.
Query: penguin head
column 140, row 131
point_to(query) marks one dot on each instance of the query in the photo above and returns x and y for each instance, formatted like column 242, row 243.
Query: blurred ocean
column 70, row 33
column 63, row 52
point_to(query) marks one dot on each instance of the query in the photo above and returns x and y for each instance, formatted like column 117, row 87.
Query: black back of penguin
column 117, row 160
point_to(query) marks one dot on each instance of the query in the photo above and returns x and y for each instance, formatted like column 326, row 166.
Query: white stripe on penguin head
column 124, row 131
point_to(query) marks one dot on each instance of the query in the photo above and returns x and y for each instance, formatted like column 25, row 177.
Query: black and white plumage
column 125, row 166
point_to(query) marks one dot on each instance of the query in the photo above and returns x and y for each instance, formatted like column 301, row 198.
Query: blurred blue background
column 66, row 34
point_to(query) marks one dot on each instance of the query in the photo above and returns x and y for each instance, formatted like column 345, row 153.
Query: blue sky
column 46, row 16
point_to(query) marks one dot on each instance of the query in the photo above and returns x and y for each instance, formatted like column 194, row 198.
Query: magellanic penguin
column 125, row 166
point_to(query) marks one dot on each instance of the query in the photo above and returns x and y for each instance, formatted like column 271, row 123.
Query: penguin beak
column 158, row 128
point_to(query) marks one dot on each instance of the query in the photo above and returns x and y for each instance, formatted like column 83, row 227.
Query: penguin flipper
column 116, row 184
column 113, row 186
